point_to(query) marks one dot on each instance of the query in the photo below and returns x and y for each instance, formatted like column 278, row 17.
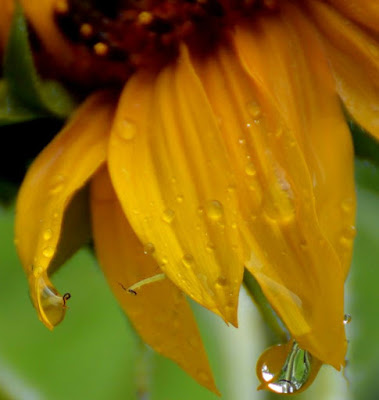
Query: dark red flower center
column 145, row 32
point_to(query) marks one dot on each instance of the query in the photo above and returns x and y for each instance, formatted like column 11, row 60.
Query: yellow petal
column 365, row 12
column 60, row 170
column 302, row 276
column 170, row 170
column 160, row 312
column 354, row 54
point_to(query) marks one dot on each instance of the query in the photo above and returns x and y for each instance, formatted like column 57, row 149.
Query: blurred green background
column 94, row 353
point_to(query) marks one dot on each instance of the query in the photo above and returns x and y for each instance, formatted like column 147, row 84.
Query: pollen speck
column 101, row 49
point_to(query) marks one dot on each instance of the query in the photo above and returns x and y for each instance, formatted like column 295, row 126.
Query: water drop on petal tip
column 51, row 306
column 286, row 369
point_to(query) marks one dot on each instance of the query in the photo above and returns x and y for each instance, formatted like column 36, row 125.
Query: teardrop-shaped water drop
column 287, row 369
column 51, row 306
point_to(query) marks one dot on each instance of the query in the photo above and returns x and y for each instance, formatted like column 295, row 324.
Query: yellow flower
column 229, row 152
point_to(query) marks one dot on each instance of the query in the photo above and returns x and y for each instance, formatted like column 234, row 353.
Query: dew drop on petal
column 57, row 184
column 254, row 109
column 168, row 215
column 126, row 129
column 347, row 206
column 148, row 248
column 48, row 251
column 214, row 210
column 47, row 234
column 250, row 169
column 221, row 282
column 188, row 260
column 179, row 198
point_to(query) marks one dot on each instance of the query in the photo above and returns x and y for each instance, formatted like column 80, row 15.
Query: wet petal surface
column 159, row 312
column 308, row 253
column 62, row 168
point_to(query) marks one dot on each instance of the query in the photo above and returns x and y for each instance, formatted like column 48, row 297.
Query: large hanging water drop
column 51, row 306
column 287, row 368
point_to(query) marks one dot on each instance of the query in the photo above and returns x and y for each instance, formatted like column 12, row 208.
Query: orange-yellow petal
column 354, row 55
column 365, row 12
column 170, row 170
column 6, row 7
column 62, row 168
column 303, row 272
column 159, row 312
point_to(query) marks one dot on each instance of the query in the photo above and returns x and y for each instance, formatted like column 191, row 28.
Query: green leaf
column 23, row 95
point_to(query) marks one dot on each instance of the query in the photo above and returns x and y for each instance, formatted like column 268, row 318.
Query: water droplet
column 286, row 368
column 254, row 109
column 37, row 272
column 347, row 206
column 168, row 215
column 250, row 169
column 48, row 251
column 179, row 198
column 50, row 305
column 164, row 261
column 47, row 234
column 57, row 184
column 347, row 319
column 221, row 282
column 349, row 232
column 210, row 247
column 214, row 210
column 188, row 260
column 126, row 129
column 148, row 249
column 241, row 141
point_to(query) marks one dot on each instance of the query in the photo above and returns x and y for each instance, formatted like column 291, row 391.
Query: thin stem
column 277, row 332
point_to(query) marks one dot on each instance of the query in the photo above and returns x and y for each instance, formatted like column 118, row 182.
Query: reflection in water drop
column 287, row 369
